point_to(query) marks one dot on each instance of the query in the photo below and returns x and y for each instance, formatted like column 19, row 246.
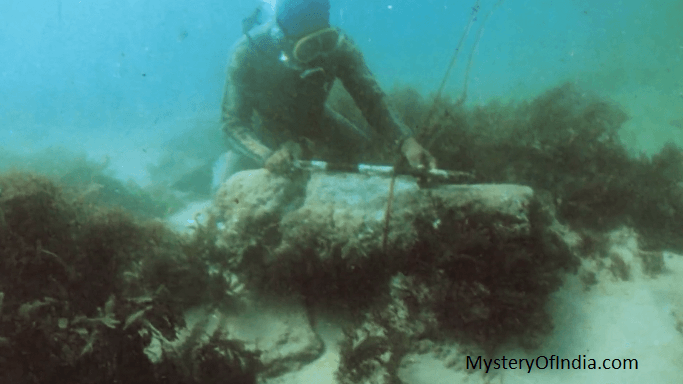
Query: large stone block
column 476, row 261
column 342, row 215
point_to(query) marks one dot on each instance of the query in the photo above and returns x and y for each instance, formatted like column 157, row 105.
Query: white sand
column 615, row 319
column 633, row 319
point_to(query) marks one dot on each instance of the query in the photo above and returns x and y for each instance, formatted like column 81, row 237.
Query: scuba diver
column 280, row 74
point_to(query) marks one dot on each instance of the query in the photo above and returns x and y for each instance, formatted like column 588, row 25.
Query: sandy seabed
column 635, row 319
column 640, row 318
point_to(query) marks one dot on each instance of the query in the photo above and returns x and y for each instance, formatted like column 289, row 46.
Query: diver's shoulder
column 346, row 44
column 267, row 35
column 264, row 37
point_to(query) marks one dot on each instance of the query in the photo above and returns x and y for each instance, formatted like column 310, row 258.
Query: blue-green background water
column 133, row 83
column 113, row 77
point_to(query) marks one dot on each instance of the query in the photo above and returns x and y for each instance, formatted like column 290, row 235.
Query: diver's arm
column 359, row 82
column 367, row 94
column 238, row 106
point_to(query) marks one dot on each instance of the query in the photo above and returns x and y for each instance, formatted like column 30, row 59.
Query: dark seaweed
column 84, row 289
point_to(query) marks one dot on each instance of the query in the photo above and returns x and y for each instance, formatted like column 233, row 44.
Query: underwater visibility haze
column 546, row 247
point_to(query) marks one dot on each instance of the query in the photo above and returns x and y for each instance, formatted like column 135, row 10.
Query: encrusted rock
column 476, row 261
column 342, row 215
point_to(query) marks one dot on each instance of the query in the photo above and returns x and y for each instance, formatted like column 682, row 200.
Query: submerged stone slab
column 478, row 261
column 278, row 331
column 342, row 215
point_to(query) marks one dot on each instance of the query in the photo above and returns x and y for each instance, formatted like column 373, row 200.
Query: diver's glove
column 282, row 160
column 418, row 157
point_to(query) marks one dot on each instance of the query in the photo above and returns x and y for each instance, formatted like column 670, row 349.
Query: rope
column 454, row 58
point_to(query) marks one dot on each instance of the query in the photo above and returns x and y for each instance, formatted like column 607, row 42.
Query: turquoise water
column 137, row 84
column 129, row 71
column 629, row 51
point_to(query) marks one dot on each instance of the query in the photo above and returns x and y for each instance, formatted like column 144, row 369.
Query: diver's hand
column 281, row 161
column 418, row 157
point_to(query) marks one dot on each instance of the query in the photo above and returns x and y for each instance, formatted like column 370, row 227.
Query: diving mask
column 316, row 44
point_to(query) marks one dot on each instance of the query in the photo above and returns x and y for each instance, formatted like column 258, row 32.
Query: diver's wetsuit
column 289, row 100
